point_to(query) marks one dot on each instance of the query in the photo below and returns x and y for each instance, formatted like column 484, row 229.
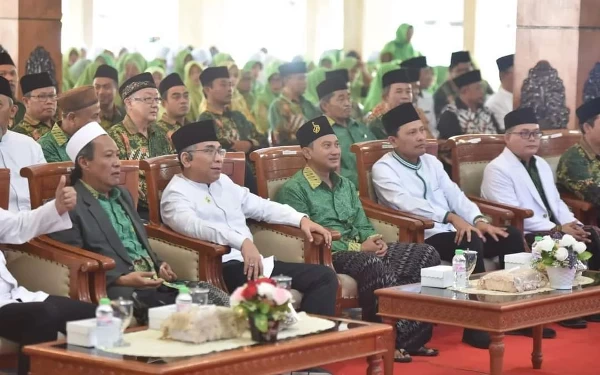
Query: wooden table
column 362, row 340
column 495, row 314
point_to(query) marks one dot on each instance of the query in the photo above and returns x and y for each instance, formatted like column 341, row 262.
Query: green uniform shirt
column 338, row 208
column 136, row 146
column 286, row 116
column 54, row 145
column 537, row 181
column 578, row 172
column 348, row 135
column 169, row 125
column 108, row 121
column 232, row 126
column 31, row 127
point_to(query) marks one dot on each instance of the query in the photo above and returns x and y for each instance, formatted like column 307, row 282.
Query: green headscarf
column 331, row 55
column 221, row 59
column 77, row 69
column 350, row 63
column 312, row 81
column 256, row 86
column 87, row 77
column 196, row 95
column 376, row 90
column 160, row 63
column 131, row 58
column 156, row 69
column 264, row 98
column 180, row 61
column 67, row 80
column 400, row 48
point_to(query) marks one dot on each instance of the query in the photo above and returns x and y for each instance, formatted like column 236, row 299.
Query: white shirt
column 426, row 104
column 423, row 189
column 506, row 180
column 500, row 103
column 18, row 228
column 218, row 212
column 18, row 151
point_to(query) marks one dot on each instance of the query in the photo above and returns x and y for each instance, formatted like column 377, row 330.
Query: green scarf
column 77, row 69
column 221, row 59
column 196, row 95
column 67, row 80
column 400, row 48
column 180, row 62
column 132, row 58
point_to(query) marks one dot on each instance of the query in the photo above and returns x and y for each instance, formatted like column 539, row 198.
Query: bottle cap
column 538, row 238
column 184, row 289
column 458, row 252
column 104, row 301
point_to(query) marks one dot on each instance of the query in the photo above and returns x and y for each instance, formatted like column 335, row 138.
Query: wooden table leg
column 496, row 353
column 375, row 365
column 536, row 355
column 389, row 357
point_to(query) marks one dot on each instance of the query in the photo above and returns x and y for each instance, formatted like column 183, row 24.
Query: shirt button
column 545, row 216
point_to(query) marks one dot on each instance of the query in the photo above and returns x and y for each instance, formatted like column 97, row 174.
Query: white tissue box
column 517, row 260
column 82, row 332
column 437, row 277
column 157, row 315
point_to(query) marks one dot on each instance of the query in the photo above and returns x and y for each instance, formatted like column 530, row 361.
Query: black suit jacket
column 93, row 231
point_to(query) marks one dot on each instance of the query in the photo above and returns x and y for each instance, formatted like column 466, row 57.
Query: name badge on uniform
column 207, row 199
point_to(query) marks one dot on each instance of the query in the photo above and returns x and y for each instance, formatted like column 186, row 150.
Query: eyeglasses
column 212, row 152
column 148, row 100
column 526, row 134
column 44, row 98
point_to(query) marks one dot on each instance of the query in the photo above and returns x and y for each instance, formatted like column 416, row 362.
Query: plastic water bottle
column 184, row 299
column 459, row 268
column 106, row 327
column 537, row 240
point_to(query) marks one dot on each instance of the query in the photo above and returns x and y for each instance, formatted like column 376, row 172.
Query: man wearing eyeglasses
column 39, row 97
column 138, row 136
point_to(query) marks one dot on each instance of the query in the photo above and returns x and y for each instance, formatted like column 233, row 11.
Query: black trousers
column 37, row 322
column 444, row 244
column 317, row 283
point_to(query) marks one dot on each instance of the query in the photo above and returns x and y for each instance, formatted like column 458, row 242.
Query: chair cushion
column 273, row 186
column 183, row 261
column 349, row 286
column 390, row 232
column 471, row 176
column 36, row 273
column 371, row 189
column 553, row 161
column 284, row 247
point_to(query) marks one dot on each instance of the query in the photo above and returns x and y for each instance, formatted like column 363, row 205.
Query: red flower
column 266, row 280
column 250, row 291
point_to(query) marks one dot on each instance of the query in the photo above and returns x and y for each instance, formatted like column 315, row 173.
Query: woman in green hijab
column 68, row 60
column 267, row 95
column 87, row 78
column 157, row 72
column 183, row 57
column 77, row 69
column 133, row 64
column 401, row 48
column 254, row 67
column 191, row 79
column 329, row 59
column 312, row 81
column 376, row 90
column 244, row 86
column 221, row 59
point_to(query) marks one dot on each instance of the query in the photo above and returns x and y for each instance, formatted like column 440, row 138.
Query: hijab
column 265, row 97
column 313, row 79
column 400, row 48
column 180, row 61
column 196, row 94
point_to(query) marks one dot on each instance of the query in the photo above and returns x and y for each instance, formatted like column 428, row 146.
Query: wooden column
column 353, row 25
column 28, row 24
column 557, row 49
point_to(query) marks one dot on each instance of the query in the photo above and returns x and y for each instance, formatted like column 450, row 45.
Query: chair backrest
column 43, row 179
column 470, row 155
column 367, row 154
column 274, row 166
column 553, row 144
column 161, row 169
column 4, row 188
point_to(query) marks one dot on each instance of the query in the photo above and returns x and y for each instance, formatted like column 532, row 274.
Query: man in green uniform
column 8, row 70
column 176, row 103
column 39, row 96
column 331, row 200
column 578, row 170
column 138, row 136
column 344, row 75
column 79, row 107
column 106, row 81
column 335, row 102
column 290, row 110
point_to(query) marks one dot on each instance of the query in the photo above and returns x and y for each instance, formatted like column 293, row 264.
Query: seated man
column 410, row 180
column 331, row 200
column 176, row 103
column 578, row 170
column 521, row 178
column 106, row 82
column 39, row 96
column 78, row 106
column 105, row 221
column 205, row 204
column 26, row 317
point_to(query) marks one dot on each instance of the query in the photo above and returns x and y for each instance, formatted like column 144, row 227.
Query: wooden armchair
column 43, row 180
column 552, row 145
column 274, row 166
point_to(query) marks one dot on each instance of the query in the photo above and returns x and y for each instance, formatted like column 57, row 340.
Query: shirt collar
column 349, row 123
column 59, row 135
column 407, row 164
column 165, row 118
column 112, row 195
column 314, row 181
column 115, row 113
column 461, row 105
column 587, row 149
column 132, row 128
column 32, row 121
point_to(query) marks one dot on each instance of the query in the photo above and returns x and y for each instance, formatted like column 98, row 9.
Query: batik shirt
column 336, row 208
column 32, row 127
column 169, row 125
column 376, row 127
column 54, row 145
column 578, row 172
column 447, row 93
column 286, row 116
column 117, row 116
column 232, row 126
column 133, row 145
column 458, row 119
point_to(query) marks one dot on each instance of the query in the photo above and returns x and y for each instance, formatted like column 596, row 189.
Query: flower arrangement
column 564, row 252
column 262, row 302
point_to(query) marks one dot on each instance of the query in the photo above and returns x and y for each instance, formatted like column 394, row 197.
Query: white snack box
column 157, row 315
column 82, row 332
column 517, row 260
column 437, row 276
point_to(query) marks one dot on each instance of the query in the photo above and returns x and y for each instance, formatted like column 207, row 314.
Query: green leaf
column 584, row 256
column 263, row 308
column 261, row 322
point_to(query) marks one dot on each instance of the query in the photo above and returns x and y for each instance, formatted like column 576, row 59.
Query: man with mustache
column 39, row 96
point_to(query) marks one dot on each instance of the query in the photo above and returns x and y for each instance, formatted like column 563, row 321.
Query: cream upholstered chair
column 552, row 145
column 274, row 166
column 38, row 266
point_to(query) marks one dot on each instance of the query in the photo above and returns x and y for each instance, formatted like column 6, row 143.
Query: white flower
column 579, row 247
column 561, row 254
column 266, row 290
column 536, row 251
column 236, row 297
column 281, row 296
column 546, row 244
column 567, row 240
